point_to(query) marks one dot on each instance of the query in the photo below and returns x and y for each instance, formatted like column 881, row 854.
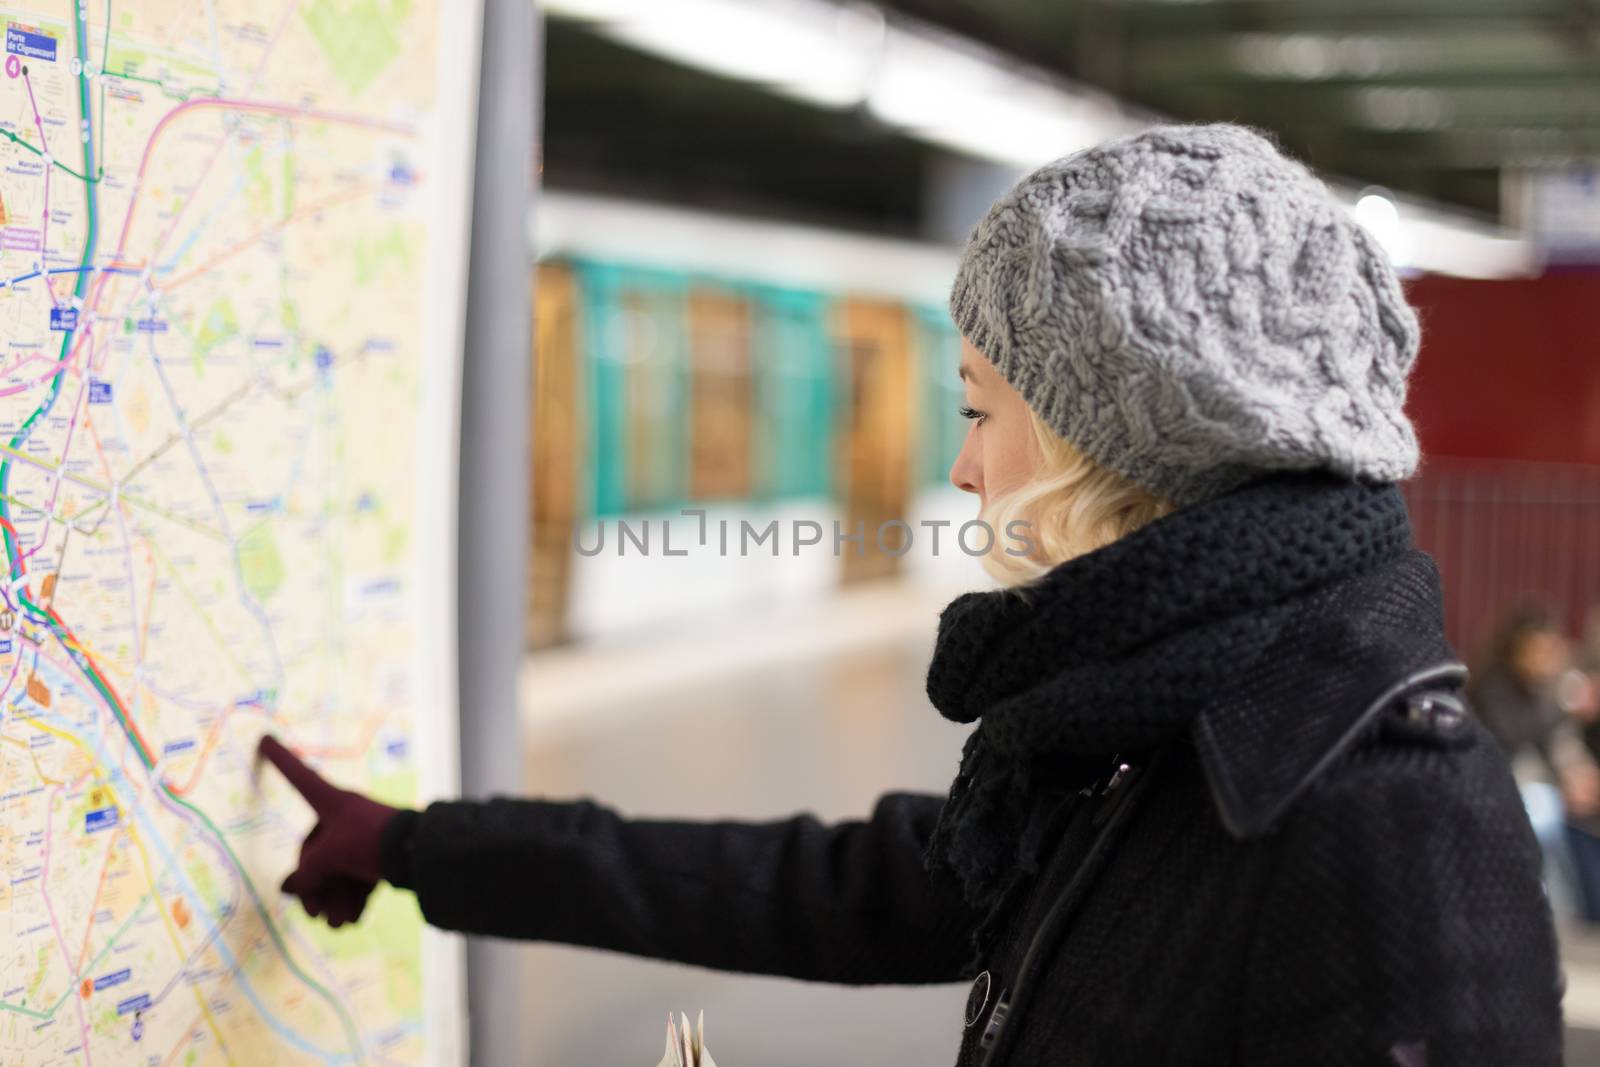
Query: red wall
column 1509, row 369
column 1509, row 381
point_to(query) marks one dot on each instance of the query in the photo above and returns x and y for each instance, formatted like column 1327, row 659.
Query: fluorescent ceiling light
column 809, row 51
column 806, row 49
column 935, row 88
column 945, row 90
column 1381, row 218
column 971, row 104
column 1420, row 238
column 597, row 10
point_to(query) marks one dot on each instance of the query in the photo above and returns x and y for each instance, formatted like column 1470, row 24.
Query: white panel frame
column 451, row 140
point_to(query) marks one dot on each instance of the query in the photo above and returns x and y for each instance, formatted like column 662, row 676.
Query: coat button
column 1439, row 711
column 978, row 999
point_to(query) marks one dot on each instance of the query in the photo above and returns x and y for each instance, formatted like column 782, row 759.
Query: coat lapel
column 1347, row 654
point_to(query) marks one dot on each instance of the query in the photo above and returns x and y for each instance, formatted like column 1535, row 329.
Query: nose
column 966, row 473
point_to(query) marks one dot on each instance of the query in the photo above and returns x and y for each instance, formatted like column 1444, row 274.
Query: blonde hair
column 1073, row 505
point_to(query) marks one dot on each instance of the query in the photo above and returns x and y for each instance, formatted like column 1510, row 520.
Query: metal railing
column 1505, row 534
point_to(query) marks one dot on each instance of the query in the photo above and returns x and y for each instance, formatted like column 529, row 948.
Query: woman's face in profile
column 1000, row 452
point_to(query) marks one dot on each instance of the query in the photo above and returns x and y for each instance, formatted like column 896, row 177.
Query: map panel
column 221, row 295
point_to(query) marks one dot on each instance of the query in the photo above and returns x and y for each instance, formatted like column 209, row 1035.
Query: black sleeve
column 848, row 902
column 1407, row 924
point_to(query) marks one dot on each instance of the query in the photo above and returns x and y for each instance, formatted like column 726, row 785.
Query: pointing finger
column 345, row 900
column 318, row 792
column 298, row 885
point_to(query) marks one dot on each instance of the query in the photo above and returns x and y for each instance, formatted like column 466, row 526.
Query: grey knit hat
column 1191, row 308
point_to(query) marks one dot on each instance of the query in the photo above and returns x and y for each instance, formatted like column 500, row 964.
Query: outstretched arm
column 848, row 902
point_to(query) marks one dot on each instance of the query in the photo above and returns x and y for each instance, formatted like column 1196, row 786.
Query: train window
column 719, row 396
column 939, row 354
column 794, row 394
column 636, row 341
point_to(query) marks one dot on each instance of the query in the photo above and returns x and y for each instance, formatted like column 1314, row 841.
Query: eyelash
column 969, row 413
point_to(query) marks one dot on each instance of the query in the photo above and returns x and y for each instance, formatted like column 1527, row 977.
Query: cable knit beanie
column 1191, row 308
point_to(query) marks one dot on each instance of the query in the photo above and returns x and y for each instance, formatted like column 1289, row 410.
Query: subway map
column 215, row 248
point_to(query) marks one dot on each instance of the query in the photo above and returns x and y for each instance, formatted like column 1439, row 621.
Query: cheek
column 1008, row 457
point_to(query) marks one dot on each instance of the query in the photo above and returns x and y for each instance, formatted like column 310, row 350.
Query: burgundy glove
column 339, row 859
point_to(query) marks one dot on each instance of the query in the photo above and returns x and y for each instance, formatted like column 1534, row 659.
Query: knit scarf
column 1117, row 651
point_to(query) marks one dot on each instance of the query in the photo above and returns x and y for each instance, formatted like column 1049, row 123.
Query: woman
column 1222, row 804
column 1517, row 692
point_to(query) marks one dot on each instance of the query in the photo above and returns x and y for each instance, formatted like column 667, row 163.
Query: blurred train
column 764, row 373
column 759, row 372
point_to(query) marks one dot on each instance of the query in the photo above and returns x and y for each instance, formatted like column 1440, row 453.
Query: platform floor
column 819, row 709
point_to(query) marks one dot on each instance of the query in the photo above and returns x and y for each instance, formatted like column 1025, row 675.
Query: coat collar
column 1264, row 627
column 1305, row 700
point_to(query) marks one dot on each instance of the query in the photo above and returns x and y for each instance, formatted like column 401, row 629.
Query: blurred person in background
column 1582, row 687
column 1524, row 694
column 1222, row 802
column 1578, row 692
column 1518, row 692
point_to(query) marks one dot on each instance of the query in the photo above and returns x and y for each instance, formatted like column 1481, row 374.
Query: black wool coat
column 1223, row 805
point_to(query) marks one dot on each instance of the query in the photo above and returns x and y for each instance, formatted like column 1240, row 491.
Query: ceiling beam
column 1454, row 149
column 1344, row 14
column 1445, row 53
column 1399, row 108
